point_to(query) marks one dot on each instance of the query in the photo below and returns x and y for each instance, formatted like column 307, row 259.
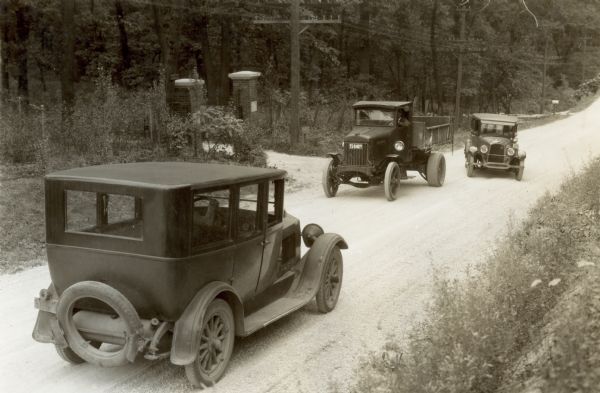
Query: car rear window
column 103, row 214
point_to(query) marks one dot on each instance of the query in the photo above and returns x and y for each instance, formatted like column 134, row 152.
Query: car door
column 249, row 238
column 271, row 267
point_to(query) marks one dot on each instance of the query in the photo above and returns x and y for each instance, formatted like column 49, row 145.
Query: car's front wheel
column 519, row 171
column 329, row 180
column 216, row 344
column 331, row 282
column 391, row 180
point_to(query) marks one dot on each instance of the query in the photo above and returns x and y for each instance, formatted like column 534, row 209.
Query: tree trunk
column 365, row 49
column 68, row 55
column 165, row 52
column 22, row 19
column 434, row 66
column 226, row 39
column 123, row 40
column 4, row 77
column 210, row 72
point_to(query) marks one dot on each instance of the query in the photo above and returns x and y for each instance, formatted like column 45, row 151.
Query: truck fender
column 316, row 257
column 393, row 156
column 186, row 333
column 337, row 157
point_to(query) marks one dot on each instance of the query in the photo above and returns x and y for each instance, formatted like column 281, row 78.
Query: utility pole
column 585, row 40
column 295, row 73
column 295, row 32
column 463, row 13
column 543, row 97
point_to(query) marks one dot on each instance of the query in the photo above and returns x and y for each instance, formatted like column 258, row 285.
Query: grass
column 22, row 231
column 527, row 318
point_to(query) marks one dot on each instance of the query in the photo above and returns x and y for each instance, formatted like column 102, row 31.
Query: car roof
column 381, row 104
column 494, row 117
column 167, row 174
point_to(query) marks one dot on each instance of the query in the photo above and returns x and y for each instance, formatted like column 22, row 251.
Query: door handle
column 265, row 242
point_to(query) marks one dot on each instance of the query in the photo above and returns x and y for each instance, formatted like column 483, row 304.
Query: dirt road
column 394, row 247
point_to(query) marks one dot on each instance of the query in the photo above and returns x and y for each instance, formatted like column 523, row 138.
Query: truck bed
column 429, row 131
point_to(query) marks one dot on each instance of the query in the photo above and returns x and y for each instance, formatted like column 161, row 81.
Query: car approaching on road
column 493, row 145
column 173, row 260
column 386, row 141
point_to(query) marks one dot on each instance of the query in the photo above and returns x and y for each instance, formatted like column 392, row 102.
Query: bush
column 477, row 328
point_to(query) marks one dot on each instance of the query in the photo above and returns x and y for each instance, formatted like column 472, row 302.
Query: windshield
column 374, row 117
column 497, row 129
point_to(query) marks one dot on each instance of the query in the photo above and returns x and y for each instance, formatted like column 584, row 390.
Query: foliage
column 477, row 328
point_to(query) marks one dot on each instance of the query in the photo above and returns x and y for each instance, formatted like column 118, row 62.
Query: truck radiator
column 356, row 153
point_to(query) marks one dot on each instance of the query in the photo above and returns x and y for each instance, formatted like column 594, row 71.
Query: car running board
column 302, row 291
column 271, row 313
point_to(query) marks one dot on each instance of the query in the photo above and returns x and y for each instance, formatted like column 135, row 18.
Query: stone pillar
column 244, row 93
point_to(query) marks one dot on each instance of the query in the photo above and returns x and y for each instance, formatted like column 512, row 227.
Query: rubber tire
column 436, row 169
column 322, row 305
column 118, row 302
column 519, row 172
column 328, row 187
column 69, row 356
column 197, row 377
column 392, row 169
column 470, row 166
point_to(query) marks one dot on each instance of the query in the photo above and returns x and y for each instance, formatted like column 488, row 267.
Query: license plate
column 356, row 146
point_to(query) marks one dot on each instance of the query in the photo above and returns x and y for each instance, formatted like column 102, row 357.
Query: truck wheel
column 436, row 169
column 331, row 282
column 216, row 344
column 329, row 181
column 391, row 180
column 470, row 166
column 519, row 172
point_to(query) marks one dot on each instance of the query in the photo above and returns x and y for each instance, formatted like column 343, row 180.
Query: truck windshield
column 374, row 117
column 497, row 129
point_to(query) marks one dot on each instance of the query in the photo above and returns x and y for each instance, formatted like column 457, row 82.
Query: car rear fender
column 47, row 329
column 315, row 261
column 186, row 335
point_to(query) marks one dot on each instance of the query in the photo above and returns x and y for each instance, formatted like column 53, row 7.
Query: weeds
column 476, row 329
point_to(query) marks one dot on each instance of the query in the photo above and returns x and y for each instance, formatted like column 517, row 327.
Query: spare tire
column 114, row 299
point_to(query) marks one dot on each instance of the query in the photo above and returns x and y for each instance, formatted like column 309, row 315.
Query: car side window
column 210, row 217
column 247, row 222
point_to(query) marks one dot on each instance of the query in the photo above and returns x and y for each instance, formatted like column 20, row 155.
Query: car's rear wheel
column 519, row 171
column 331, row 282
column 329, row 180
column 391, row 180
column 470, row 166
column 216, row 344
column 436, row 169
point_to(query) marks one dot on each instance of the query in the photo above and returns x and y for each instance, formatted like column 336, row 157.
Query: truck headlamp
column 473, row 149
column 399, row 145
column 484, row 149
column 510, row 151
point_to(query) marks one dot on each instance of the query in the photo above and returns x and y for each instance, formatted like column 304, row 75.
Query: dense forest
column 515, row 55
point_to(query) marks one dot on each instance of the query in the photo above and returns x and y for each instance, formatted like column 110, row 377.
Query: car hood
column 493, row 140
column 365, row 134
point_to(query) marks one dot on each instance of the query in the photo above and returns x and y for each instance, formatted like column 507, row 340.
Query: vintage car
column 493, row 144
column 386, row 141
column 173, row 260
